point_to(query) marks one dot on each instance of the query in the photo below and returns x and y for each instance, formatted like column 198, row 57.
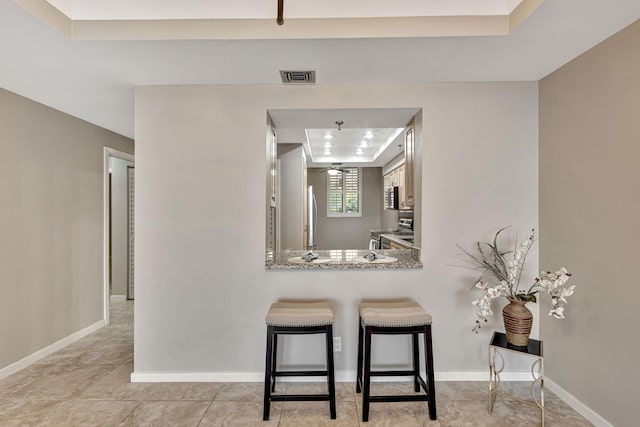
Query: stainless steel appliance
column 391, row 198
column 405, row 226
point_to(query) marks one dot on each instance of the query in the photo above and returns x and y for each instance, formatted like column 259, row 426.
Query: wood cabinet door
column 394, row 245
column 409, row 161
column 402, row 197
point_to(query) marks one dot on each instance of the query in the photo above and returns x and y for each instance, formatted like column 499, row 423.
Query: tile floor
column 87, row 384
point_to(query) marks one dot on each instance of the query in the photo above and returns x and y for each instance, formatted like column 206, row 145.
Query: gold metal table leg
column 494, row 376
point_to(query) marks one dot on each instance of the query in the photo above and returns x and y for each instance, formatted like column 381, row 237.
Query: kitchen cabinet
column 396, row 178
column 394, row 245
column 409, row 165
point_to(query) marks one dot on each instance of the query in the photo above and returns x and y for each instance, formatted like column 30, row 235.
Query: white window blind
column 344, row 192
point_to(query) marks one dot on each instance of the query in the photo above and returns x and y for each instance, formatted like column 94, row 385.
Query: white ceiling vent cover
column 298, row 77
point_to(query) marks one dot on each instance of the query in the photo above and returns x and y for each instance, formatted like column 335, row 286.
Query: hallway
column 87, row 384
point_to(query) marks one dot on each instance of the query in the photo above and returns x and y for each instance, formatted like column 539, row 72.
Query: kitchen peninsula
column 343, row 259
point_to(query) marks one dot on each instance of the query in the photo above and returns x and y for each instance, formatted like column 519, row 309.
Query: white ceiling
column 95, row 80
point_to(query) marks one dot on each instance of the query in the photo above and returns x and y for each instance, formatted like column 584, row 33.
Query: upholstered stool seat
column 395, row 313
column 296, row 318
column 395, row 317
column 300, row 314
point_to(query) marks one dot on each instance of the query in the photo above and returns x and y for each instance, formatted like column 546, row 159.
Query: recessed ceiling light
column 327, row 152
column 328, row 136
column 364, row 144
column 359, row 152
column 327, row 145
column 368, row 135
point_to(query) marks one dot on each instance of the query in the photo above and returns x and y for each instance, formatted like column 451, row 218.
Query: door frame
column 107, row 154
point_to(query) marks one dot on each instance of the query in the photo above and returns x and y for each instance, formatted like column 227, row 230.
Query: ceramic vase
column 517, row 322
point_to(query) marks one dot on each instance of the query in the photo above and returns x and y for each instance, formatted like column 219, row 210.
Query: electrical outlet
column 337, row 344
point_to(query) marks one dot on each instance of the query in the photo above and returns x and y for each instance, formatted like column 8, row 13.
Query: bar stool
column 397, row 317
column 298, row 318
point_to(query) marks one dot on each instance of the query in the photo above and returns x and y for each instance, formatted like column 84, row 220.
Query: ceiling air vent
column 298, row 77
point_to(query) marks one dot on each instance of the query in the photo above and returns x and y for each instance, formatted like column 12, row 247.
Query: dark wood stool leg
column 367, row 374
column 359, row 371
column 267, row 374
column 273, row 362
column 331, row 381
column 416, row 361
column 428, row 350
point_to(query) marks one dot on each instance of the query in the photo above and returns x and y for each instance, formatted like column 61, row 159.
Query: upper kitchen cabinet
column 395, row 178
column 409, row 168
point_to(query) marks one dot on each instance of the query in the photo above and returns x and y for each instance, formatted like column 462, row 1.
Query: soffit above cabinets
column 255, row 19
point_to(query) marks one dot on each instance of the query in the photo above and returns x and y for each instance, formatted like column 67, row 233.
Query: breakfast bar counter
column 343, row 259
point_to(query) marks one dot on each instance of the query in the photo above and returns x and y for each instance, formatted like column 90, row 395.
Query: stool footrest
column 392, row 373
column 300, row 373
column 298, row 397
column 399, row 398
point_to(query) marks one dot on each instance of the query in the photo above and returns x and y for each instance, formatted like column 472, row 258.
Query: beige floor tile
column 85, row 413
column 116, row 385
column 159, row 414
column 55, row 381
column 296, row 414
column 240, row 414
column 400, row 388
column 462, row 390
column 18, row 412
column 345, row 392
column 391, row 414
column 204, row 392
column 557, row 413
column 474, row 413
column 522, row 390
column 244, row 392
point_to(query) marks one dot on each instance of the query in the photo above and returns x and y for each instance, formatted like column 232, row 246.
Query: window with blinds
column 344, row 193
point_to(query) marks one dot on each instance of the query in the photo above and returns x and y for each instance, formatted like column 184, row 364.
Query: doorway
column 119, row 228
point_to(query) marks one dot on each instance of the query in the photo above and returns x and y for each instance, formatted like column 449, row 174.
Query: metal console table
column 534, row 350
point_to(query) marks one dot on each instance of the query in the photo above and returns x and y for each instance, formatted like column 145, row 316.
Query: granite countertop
column 342, row 260
column 397, row 238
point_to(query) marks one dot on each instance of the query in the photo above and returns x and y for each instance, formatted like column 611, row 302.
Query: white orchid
column 557, row 312
column 494, row 263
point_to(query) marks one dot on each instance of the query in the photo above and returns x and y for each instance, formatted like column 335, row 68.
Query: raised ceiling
column 96, row 80
column 377, row 128
column 256, row 19
column 260, row 9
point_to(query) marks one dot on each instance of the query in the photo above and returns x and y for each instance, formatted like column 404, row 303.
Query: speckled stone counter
column 397, row 238
column 343, row 260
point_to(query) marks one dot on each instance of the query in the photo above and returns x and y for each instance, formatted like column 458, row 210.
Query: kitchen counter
column 397, row 238
column 342, row 260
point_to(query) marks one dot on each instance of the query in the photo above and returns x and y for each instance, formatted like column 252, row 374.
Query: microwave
column 391, row 199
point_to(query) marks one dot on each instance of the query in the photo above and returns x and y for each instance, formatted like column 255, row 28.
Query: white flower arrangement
column 496, row 264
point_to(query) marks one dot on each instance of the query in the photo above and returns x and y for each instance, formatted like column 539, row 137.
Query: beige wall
column 201, row 287
column 590, row 222
column 50, row 225
column 348, row 233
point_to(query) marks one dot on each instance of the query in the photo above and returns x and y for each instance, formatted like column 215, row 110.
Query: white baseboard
column 590, row 415
column 117, row 298
column 341, row 376
column 34, row 357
